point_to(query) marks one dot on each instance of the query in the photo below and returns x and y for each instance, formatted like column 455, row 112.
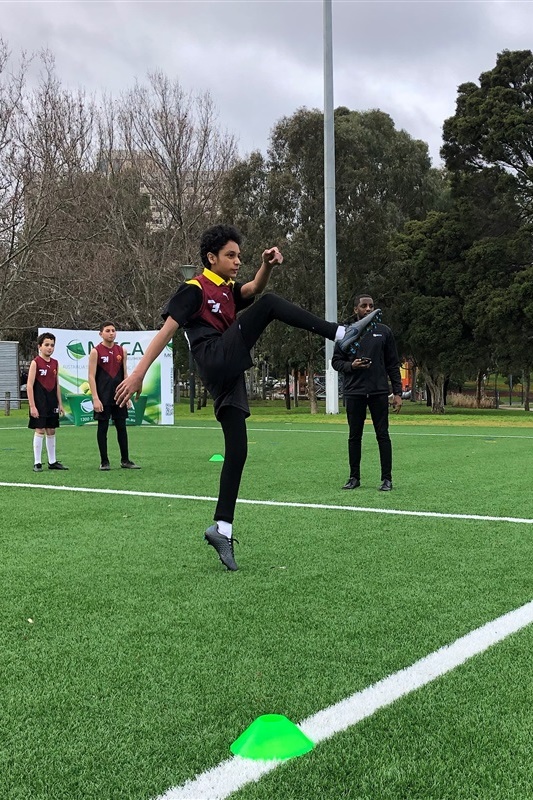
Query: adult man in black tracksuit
column 366, row 386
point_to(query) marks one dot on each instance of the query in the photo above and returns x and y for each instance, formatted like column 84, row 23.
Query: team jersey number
column 215, row 307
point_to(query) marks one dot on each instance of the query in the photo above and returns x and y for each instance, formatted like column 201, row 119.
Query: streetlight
column 330, row 233
column 188, row 271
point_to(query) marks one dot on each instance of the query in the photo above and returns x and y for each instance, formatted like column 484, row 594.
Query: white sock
column 51, row 448
column 341, row 330
column 224, row 528
column 37, row 447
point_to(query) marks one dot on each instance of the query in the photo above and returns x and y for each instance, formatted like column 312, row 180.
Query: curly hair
column 214, row 239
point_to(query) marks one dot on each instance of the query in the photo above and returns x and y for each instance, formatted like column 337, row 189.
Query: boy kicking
column 107, row 368
column 44, row 397
column 206, row 307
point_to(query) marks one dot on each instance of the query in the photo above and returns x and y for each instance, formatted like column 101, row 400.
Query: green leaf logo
column 75, row 350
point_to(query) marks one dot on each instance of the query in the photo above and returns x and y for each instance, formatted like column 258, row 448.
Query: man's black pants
column 378, row 405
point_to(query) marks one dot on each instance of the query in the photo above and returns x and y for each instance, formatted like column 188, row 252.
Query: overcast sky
column 262, row 59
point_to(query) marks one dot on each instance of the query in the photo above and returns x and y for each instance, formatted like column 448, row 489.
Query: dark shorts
column 51, row 421
column 111, row 412
column 222, row 361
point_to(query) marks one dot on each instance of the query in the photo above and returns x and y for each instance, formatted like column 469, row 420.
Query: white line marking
column 343, row 431
column 210, row 427
column 278, row 503
column 234, row 773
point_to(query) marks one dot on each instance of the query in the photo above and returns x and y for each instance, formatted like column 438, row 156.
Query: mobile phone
column 365, row 360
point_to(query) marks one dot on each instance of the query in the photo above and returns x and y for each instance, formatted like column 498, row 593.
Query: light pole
column 332, row 391
column 188, row 271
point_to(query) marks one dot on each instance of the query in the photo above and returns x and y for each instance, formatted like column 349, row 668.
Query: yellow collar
column 216, row 279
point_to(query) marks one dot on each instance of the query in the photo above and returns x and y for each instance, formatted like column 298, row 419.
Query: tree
column 44, row 153
column 44, row 150
column 383, row 178
column 427, row 312
column 492, row 125
column 99, row 208
column 488, row 148
column 164, row 158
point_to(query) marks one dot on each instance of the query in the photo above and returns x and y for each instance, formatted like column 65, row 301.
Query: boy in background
column 107, row 368
column 44, row 396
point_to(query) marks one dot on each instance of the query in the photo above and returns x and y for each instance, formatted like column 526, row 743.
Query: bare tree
column 45, row 149
column 100, row 207
column 163, row 144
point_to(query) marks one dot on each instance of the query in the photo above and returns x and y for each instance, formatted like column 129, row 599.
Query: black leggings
column 233, row 421
column 269, row 307
column 252, row 323
column 122, row 438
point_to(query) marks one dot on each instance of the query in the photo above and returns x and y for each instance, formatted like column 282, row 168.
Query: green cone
column 217, row 457
column 271, row 736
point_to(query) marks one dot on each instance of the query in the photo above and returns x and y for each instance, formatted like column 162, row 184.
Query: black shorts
column 111, row 412
column 52, row 421
column 222, row 361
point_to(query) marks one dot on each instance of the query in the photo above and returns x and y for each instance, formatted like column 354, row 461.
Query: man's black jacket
column 380, row 347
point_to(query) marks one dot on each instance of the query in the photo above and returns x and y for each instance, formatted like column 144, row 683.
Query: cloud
column 261, row 60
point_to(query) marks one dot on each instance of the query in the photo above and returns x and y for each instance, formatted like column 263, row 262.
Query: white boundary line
column 234, row 773
column 276, row 503
column 209, row 427
column 344, row 429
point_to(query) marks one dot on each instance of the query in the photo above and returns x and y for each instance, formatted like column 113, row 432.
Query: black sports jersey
column 109, row 372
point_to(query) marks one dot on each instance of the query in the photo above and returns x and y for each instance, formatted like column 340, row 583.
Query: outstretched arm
column 270, row 258
column 134, row 382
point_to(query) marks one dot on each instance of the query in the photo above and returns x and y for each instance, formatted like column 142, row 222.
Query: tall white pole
column 330, row 231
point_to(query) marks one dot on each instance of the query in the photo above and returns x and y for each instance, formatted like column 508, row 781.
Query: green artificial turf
column 130, row 659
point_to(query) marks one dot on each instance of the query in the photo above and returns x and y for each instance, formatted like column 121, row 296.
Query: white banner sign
column 156, row 404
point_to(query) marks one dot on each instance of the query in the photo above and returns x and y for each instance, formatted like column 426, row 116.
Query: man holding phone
column 366, row 386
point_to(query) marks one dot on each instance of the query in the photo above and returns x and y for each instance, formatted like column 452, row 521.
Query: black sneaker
column 37, row 467
column 349, row 343
column 129, row 465
column 222, row 545
column 352, row 483
column 104, row 466
column 56, row 465
column 386, row 486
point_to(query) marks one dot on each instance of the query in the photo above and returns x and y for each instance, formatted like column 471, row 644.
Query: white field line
column 295, row 430
column 276, row 503
column 234, row 773
column 343, row 431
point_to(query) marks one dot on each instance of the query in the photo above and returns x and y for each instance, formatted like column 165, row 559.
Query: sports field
column 131, row 660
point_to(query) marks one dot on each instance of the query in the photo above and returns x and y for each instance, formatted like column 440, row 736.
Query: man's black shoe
column 222, row 545
column 105, row 466
column 352, row 483
column 349, row 343
column 129, row 465
column 386, row 486
column 56, row 465
column 37, row 467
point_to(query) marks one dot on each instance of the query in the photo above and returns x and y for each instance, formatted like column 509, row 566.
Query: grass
column 144, row 659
